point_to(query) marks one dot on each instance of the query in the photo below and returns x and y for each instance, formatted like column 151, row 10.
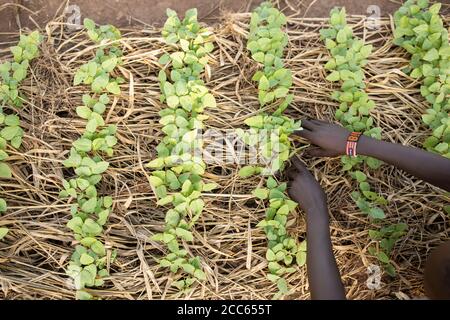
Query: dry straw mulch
column 37, row 249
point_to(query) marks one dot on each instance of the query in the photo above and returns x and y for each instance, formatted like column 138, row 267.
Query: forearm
column 323, row 274
column 425, row 165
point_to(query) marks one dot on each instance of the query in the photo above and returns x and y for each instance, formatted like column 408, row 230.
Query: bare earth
column 125, row 13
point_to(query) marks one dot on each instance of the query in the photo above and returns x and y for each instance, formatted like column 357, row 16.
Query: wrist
column 318, row 212
column 365, row 145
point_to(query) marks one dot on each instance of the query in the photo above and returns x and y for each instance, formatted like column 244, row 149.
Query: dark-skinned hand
column 303, row 188
column 329, row 139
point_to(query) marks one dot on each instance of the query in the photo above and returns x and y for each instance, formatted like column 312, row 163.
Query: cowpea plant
column 90, row 212
column 348, row 57
column 386, row 237
column 12, row 74
column 270, row 132
column 176, row 178
column 420, row 31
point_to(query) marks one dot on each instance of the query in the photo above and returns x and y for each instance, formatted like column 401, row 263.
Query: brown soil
column 124, row 13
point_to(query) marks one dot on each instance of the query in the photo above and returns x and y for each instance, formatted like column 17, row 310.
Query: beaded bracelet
column 352, row 142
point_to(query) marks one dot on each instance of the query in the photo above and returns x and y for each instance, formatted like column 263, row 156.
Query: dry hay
column 36, row 250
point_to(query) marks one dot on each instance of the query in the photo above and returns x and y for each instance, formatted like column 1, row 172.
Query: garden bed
column 34, row 254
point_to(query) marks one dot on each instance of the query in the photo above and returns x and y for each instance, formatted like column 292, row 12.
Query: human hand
column 304, row 188
column 329, row 139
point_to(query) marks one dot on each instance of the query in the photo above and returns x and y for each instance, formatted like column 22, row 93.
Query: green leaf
column 5, row 171
column 3, row 205
column 86, row 259
column 109, row 64
column 431, row 55
column 263, row 83
column 100, row 167
column 12, row 120
column 334, row 76
column 360, row 176
column 8, row 133
column 89, row 24
column 382, row 257
column 281, row 92
column 270, row 255
column 3, row 232
column 341, row 36
column 83, row 295
column 209, row 101
column 259, row 57
column 247, row 171
column 376, row 213
column 283, row 210
column 282, row 285
column 83, row 145
column 84, row 112
column 98, row 248
column 155, row 163
column 173, row 101
column 91, row 227
column 261, row 193
column 301, row 258
column 256, row 121
column 89, row 205
column 155, row 181
column 91, row 125
column 100, row 82
column 20, row 74
column 172, row 218
column 199, row 274
column 164, row 59
column 113, row 87
column 185, row 234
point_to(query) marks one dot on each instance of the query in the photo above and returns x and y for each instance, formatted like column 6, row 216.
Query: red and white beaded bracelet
column 352, row 142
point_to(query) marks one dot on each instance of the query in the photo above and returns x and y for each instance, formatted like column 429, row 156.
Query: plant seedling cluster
column 266, row 43
column 348, row 57
column 177, row 176
column 420, row 31
column 90, row 213
column 11, row 76
column 386, row 237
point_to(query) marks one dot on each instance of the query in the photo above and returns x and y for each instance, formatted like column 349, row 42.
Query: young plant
column 270, row 133
column 386, row 237
column 178, row 169
column 348, row 57
column 90, row 212
column 420, row 31
column 11, row 76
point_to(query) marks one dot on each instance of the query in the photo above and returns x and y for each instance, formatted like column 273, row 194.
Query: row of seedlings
column 348, row 57
column 420, row 30
column 11, row 75
column 176, row 178
column 90, row 211
column 269, row 133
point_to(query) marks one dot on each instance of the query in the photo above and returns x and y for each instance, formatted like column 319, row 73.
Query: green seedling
column 420, row 30
column 348, row 57
column 90, row 211
column 270, row 133
column 386, row 237
column 12, row 73
column 177, row 173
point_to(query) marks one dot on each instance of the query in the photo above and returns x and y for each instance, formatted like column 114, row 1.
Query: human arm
column 330, row 140
column 323, row 273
